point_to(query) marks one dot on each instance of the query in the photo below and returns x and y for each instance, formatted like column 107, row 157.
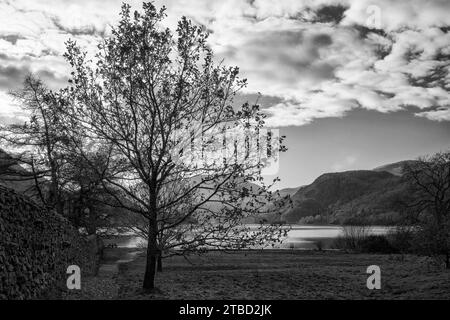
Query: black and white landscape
column 224, row 150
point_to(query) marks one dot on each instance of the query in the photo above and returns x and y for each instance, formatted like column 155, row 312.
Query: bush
column 351, row 238
column 402, row 239
column 432, row 239
column 357, row 238
column 376, row 244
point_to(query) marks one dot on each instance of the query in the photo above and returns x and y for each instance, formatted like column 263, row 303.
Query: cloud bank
column 317, row 59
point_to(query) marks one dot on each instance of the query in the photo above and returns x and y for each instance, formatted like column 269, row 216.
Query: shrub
column 376, row 244
column 432, row 239
column 402, row 239
column 357, row 238
column 351, row 237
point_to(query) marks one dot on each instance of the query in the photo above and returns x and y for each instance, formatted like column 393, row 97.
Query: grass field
column 287, row 275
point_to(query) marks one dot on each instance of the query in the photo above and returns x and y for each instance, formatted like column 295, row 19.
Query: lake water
column 299, row 237
column 305, row 237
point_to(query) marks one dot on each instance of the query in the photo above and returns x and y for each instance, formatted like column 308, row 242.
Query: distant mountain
column 395, row 168
column 369, row 196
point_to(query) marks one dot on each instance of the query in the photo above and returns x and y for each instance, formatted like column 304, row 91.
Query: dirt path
column 110, row 268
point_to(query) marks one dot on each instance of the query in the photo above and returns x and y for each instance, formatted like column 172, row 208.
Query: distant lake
column 299, row 237
column 305, row 236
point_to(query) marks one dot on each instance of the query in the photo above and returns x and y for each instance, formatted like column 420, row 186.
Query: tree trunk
column 152, row 258
column 150, row 269
column 152, row 241
column 447, row 261
column 160, row 268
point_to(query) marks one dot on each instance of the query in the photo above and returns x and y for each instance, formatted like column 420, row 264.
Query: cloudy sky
column 353, row 84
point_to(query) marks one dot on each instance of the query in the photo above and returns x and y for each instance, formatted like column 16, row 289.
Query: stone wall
column 36, row 247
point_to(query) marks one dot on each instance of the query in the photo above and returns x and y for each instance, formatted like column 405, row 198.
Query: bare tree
column 36, row 146
column 88, row 206
column 159, row 100
column 41, row 159
column 429, row 178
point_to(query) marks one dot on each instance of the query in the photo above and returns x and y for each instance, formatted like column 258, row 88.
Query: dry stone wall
column 36, row 247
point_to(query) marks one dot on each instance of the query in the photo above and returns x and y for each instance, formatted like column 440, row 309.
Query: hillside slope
column 395, row 168
column 352, row 196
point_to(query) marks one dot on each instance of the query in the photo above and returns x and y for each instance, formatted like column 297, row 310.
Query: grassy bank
column 287, row 275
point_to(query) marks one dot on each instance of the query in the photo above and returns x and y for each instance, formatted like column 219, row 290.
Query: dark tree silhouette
column 429, row 178
column 43, row 160
column 36, row 146
column 165, row 109
column 88, row 204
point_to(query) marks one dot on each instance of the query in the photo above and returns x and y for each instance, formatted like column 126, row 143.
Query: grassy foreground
column 287, row 275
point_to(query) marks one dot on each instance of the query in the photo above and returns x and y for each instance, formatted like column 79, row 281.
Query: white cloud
column 345, row 163
column 317, row 70
column 442, row 114
column 400, row 14
column 9, row 111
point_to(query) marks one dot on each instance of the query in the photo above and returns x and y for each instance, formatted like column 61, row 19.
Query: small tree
column 37, row 146
column 429, row 179
column 89, row 205
column 42, row 159
column 160, row 102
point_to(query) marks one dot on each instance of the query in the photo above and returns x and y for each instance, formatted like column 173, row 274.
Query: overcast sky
column 353, row 84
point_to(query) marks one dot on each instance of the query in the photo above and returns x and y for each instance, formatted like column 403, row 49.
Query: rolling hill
column 394, row 168
column 364, row 196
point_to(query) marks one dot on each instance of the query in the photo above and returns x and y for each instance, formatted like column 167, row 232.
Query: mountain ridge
column 396, row 168
column 355, row 196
